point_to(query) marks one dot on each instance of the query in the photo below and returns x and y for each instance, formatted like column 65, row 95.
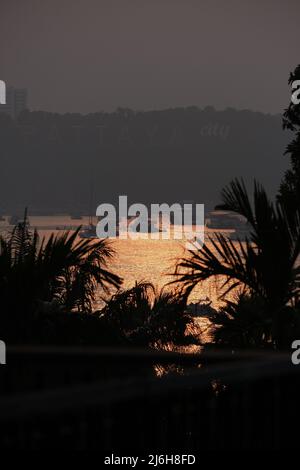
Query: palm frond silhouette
column 265, row 262
column 60, row 268
column 148, row 317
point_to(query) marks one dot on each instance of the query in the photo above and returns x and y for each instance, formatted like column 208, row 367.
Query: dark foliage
column 58, row 274
column 266, row 263
column 146, row 317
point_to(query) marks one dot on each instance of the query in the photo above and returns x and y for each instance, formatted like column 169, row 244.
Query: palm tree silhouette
column 265, row 263
column 60, row 269
column 149, row 317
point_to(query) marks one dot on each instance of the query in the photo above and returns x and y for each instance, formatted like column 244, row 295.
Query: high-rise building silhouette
column 16, row 102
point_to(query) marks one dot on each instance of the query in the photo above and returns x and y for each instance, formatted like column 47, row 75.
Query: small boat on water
column 151, row 227
column 90, row 232
column 76, row 216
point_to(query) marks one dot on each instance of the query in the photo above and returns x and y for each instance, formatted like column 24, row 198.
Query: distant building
column 16, row 102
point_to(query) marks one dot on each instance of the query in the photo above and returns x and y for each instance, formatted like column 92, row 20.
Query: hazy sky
column 91, row 55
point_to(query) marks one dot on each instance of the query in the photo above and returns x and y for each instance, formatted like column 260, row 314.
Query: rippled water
column 136, row 260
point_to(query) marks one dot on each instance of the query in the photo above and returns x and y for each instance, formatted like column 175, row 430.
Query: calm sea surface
column 136, row 260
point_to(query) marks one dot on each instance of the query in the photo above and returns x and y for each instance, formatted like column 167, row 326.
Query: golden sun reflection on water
column 155, row 261
column 143, row 260
column 138, row 260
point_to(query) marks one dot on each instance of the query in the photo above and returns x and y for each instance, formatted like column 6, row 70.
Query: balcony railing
column 96, row 399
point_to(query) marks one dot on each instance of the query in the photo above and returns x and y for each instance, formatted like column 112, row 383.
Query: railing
column 110, row 400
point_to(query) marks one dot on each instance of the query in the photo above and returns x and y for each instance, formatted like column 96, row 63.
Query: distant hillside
column 48, row 160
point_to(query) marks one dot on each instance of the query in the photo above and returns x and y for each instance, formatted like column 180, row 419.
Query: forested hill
column 49, row 160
